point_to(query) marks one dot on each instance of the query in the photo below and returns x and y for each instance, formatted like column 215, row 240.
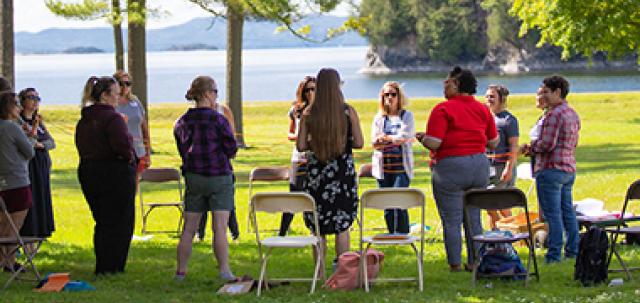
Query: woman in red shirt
column 458, row 132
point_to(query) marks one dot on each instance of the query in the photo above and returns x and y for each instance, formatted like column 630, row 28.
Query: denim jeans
column 555, row 198
column 397, row 219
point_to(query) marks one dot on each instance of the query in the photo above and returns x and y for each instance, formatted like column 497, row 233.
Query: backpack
column 500, row 258
column 591, row 262
column 347, row 275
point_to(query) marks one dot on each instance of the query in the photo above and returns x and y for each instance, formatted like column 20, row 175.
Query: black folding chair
column 495, row 199
column 14, row 242
column 622, row 228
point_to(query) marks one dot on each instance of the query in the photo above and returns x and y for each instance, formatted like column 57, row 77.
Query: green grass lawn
column 608, row 157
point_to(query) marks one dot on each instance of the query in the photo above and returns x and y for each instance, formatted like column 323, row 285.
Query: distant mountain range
column 209, row 32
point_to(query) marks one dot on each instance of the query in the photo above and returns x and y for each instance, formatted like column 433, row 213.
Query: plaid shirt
column 556, row 146
column 205, row 142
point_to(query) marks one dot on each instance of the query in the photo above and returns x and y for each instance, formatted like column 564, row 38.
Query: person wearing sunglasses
column 304, row 96
column 131, row 108
column 206, row 144
column 392, row 135
column 39, row 221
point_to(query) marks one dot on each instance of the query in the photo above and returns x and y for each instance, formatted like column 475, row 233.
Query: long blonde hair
column 326, row 122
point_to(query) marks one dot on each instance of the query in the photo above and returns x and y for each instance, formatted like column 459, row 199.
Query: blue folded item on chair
column 500, row 258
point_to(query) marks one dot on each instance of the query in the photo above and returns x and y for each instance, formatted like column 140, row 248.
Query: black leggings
column 110, row 188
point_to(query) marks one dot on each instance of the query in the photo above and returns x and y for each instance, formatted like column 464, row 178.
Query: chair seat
column 625, row 230
column 26, row 240
column 408, row 240
column 163, row 204
column 300, row 241
column 514, row 238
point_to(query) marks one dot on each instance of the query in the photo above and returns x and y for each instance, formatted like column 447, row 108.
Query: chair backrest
column 276, row 202
column 494, row 199
column 269, row 174
column 366, row 171
column 633, row 193
column 160, row 175
column 393, row 197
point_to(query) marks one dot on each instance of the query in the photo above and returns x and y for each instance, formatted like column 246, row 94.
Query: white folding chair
column 160, row 175
column 523, row 172
column 381, row 199
column 278, row 202
column 15, row 242
column 265, row 174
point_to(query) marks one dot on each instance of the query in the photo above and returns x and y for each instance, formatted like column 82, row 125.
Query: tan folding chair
column 381, row 199
column 278, row 202
column 265, row 174
column 622, row 228
column 15, row 242
column 494, row 199
column 160, row 175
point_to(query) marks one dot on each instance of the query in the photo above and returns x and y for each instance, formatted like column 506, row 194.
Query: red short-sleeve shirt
column 464, row 126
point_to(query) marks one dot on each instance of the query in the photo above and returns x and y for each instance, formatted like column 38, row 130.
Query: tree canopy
column 583, row 27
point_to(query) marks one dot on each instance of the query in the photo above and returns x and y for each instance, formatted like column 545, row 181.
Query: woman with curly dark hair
column 458, row 132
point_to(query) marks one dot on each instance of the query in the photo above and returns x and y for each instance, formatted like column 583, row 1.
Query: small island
column 82, row 50
column 192, row 47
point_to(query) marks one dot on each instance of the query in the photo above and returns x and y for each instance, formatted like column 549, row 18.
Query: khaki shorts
column 205, row 193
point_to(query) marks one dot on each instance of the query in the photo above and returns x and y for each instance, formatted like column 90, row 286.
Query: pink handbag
column 347, row 276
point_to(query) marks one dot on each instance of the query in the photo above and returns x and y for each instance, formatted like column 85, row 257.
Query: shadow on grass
column 607, row 157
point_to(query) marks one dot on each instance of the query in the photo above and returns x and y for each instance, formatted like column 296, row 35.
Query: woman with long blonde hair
column 329, row 130
column 392, row 133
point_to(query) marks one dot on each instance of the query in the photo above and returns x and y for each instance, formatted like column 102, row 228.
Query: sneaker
column 455, row 268
column 228, row 277
column 179, row 277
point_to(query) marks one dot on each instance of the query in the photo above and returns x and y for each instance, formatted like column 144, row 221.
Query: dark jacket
column 101, row 135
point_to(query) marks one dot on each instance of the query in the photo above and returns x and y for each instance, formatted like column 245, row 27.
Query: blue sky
column 33, row 15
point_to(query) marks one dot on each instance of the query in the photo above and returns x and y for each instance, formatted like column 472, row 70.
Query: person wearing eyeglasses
column 459, row 131
column 107, row 173
column 304, row 96
column 392, row 135
column 206, row 144
column 39, row 221
column 130, row 107
column 15, row 152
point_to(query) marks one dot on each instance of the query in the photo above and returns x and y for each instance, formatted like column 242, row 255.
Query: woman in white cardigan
column 392, row 134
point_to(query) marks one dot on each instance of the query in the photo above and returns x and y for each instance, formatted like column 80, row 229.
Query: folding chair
column 382, row 199
column 523, row 172
column 494, row 199
column 265, row 174
column 20, row 243
column 160, row 175
column 278, row 202
column 622, row 228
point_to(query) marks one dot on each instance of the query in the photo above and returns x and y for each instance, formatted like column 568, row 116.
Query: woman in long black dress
column 329, row 129
column 39, row 221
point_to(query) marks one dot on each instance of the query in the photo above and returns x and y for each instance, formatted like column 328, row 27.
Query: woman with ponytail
column 107, row 173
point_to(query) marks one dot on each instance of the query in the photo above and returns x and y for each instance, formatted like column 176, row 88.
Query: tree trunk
column 137, row 51
column 117, row 34
column 235, row 22
column 7, row 50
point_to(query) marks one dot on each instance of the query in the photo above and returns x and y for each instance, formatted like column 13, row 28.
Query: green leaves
column 583, row 27
column 85, row 10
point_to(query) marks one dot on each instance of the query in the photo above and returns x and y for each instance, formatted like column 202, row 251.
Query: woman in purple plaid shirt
column 206, row 145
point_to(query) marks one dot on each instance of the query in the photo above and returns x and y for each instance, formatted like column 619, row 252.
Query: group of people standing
column 25, row 168
column 471, row 144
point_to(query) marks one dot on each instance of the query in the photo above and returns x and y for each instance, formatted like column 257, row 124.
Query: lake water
column 268, row 74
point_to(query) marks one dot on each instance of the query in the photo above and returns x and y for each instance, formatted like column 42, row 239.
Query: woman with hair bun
column 459, row 131
column 206, row 144
column 107, row 173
